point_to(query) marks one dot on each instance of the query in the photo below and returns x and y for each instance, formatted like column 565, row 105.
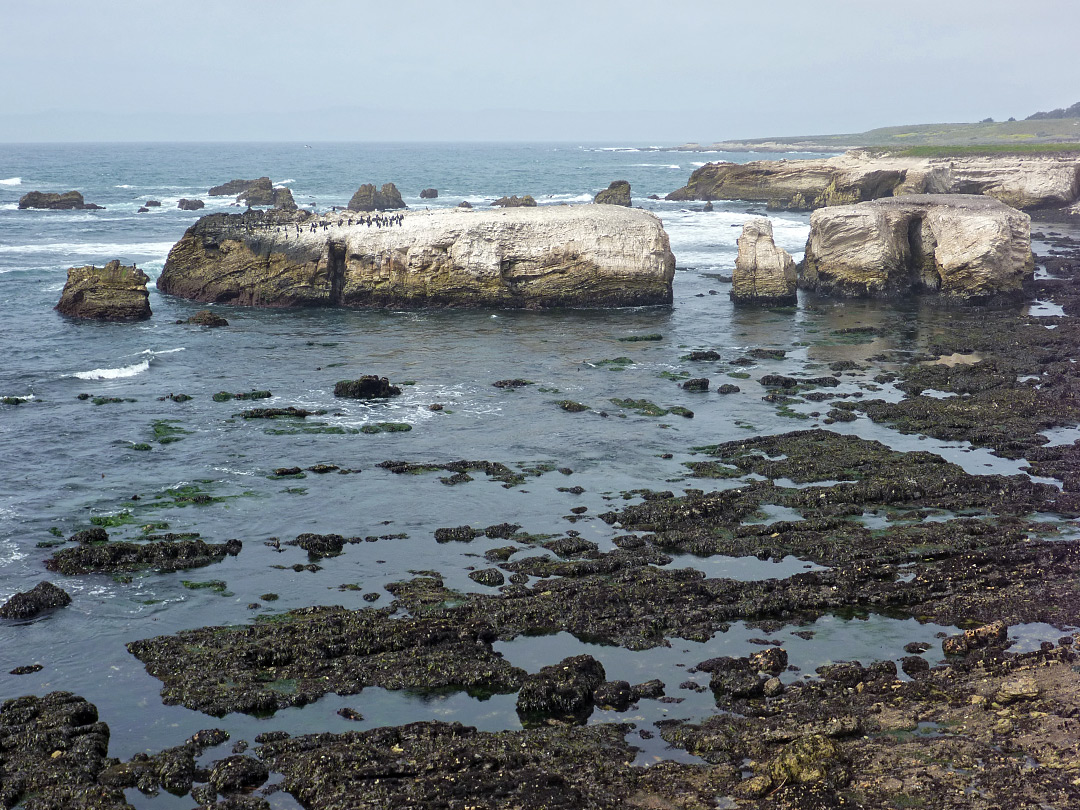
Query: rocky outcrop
column 27, row 604
column 153, row 203
column 262, row 192
column 205, row 317
column 763, row 273
column 429, row 194
column 235, row 187
column 370, row 386
column 515, row 201
column 114, row 292
column 367, row 198
column 618, row 193
column 958, row 246
column 190, row 205
column 69, row 200
column 1026, row 182
column 539, row 257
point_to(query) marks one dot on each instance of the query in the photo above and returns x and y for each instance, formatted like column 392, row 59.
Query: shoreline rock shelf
column 1025, row 182
column 549, row 256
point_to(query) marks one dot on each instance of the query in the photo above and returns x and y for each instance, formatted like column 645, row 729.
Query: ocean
column 68, row 461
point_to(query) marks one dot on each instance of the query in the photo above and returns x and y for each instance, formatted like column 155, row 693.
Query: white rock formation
column 1022, row 181
column 763, row 272
column 957, row 245
column 587, row 255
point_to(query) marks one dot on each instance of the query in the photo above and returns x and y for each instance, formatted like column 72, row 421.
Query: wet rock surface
column 114, row 292
column 27, row 604
column 119, row 555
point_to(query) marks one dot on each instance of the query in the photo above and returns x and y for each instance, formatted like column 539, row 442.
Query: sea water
column 67, row 460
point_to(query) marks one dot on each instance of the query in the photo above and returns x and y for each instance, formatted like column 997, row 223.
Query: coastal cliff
column 1027, row 182
column 549, row 256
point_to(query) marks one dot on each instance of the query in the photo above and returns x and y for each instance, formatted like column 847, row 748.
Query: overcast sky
column 661, row 71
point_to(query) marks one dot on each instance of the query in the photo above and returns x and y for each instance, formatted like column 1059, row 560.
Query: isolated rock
column 190, row 205
column 26, row 604
column 367, row 198
column 235, row 187
column 958, row 246
column 205, row 317
column 525, row 201
column 69, row 200
column 464, row 204
column 153, row 203
column 429, row 194
column 563, row 691
column 763, row 273
column 618, row 193
column 369, row 386
column 262, row 192
column 1027, row 181
column 585, row 255
column 114, row 292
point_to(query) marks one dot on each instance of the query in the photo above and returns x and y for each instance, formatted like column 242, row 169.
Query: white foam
column 124, row 371
column 124, row 185
column 660, row 165
column 112, row 250
column 11, row 181
column 283, row 182
column 26, row 398
column 113, row 373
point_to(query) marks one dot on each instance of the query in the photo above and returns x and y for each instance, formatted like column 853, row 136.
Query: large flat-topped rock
column 956, row 245
column 548, row 256
column 1022, row 181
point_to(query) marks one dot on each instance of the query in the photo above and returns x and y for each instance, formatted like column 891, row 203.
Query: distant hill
column 1068, row 112
column 1036, row 134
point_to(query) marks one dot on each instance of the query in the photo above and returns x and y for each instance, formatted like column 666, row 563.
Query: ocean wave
column 11, row 181
column 660, row 165
column 25, row 398
column 283, row 182
column 91, row 248
column 565, row 198
column 124, row 371
column 124, row 185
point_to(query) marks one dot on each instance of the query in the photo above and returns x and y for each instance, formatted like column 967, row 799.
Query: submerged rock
column 618, row 193
column 764, row 273
column 114, row 292
column 27, row 604
column 958, row 246
column 528, row 258
column 118, row 556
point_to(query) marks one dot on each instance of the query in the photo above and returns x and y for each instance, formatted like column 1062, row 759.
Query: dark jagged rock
column 291, row 412
column 696, row 384
column 464, row 204
column 562, row 692
column 114, row 292
column 615, row 695
column 367, row 198
column 514, row 383
column 153, row 203
column 69, row 200
column 618, row 193
column 95, row 534
column 370, row 386
column 515, row 201
column 190, row 205
column 120, row 556
column 320, row 545
column 205, row 317
column 429, row 194
column 492, row 577
column 238, row 773
column 234, row 187
column 27, row 604
column 54, row 749
column 262, row 192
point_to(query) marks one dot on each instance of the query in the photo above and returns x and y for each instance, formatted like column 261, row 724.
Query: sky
column 655, row 72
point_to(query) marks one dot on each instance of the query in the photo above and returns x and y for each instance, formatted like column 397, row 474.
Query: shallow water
column 67, row 460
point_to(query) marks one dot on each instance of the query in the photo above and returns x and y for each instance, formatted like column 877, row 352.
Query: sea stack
column 764, row 273
column 114, row 292
column 547, row 256
column 959, row 246
column 618, row 193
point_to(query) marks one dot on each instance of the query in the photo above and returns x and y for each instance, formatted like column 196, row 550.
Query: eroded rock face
column 56, row 202
column 763, row 273
column 958, row 246
column 1025, row 182
column 114, row 292
column 539, row 257
column 367, row 198
column 618, row 193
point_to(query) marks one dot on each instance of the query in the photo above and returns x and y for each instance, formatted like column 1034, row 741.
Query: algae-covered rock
column 114, row 292
column 618, row 193
column 563, row 691
column 370, row 386
column 27, row 604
